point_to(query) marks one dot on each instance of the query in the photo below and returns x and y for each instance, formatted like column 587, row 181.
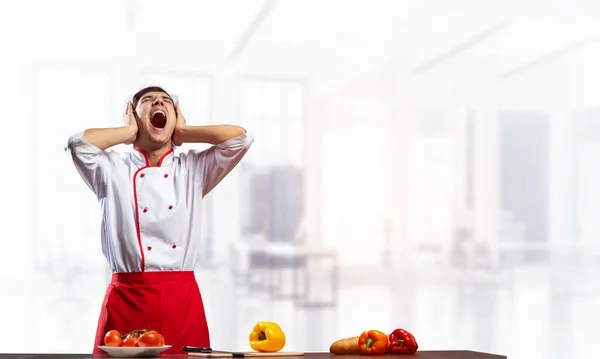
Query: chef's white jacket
column 152, row 215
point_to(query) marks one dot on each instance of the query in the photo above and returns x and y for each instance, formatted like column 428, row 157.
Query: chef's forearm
column 213, row 134
column 104, row 138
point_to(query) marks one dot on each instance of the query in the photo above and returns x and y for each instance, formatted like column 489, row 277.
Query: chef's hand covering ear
column 180, row 123
column 130, row 119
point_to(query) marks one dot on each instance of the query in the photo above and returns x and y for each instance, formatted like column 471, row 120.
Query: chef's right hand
column 130, row 122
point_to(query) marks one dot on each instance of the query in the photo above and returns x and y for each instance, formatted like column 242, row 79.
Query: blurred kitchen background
column 432, row 165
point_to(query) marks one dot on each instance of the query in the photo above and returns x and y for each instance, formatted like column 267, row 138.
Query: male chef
column 151, row 202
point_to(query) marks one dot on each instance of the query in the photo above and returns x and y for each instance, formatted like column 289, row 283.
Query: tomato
column 113, row 339
column 151, row 339
column 130, row 341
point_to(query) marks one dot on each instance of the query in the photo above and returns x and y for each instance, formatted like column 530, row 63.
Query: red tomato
column 130, row 341
column 161, row 342
column 113, row 339
column 151, row 339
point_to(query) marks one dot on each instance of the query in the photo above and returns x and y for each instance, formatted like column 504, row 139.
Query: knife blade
column 208, row 350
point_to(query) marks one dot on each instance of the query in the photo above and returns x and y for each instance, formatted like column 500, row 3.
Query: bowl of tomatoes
column 142, row 343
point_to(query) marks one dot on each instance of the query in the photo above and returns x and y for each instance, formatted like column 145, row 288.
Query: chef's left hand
column 180, row 122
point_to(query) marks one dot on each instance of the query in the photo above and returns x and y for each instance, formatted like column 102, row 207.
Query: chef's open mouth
column 158, row 120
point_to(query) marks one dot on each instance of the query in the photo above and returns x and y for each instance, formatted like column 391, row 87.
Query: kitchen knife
column 192, row 349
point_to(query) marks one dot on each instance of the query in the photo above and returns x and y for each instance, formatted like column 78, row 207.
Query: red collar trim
column 160, row 161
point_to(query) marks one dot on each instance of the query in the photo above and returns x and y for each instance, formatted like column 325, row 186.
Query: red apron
column 168, row 302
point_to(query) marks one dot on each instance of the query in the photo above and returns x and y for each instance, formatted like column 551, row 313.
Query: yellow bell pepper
column 267, row 337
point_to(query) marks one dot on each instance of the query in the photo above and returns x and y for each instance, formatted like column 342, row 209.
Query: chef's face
column 157, row 117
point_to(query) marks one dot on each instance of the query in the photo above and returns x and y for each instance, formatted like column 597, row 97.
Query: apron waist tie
column 163, row 276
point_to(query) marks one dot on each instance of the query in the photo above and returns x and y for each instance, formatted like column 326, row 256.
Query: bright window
column 66, row 216
column 274, row 171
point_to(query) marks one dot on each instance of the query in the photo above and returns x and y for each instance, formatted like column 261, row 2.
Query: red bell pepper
column 373, row 342
column 403, row 342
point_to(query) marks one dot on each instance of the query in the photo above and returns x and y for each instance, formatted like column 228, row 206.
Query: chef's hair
column 138, row 95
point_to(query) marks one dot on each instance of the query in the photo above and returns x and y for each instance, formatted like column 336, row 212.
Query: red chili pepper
column 403, row 342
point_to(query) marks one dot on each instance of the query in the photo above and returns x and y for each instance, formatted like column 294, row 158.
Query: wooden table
column 435, row 354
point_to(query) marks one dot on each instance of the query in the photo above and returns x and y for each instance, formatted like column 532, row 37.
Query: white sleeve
column 210, row 166
column 91, row 162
